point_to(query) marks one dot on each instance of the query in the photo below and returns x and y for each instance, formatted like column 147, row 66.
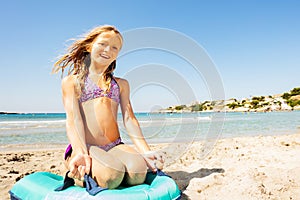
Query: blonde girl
column 91, row 97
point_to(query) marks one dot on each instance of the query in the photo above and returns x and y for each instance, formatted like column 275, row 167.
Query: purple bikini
column 92, row 91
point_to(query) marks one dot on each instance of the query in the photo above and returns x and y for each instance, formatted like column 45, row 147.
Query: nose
column 107, row 48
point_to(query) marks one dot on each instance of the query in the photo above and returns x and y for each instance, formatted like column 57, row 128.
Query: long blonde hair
column 77, row 58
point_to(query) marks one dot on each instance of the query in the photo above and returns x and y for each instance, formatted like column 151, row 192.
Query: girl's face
column 105, row 48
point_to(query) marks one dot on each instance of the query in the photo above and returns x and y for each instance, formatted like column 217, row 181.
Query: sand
column 260, row 167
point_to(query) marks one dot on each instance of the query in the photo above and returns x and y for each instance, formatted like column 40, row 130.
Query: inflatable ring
column 42, row 185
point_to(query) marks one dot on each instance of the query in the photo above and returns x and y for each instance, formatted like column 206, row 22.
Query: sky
column 254, row 47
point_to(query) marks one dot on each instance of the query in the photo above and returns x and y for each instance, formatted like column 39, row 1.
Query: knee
column 136, row 172
column 135, row 163
column 109, row 178
column 106, row 171
column 135, row 178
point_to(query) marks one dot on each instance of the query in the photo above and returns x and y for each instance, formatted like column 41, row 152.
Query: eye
column 115, row 48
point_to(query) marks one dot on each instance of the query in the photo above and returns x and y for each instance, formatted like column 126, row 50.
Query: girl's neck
column 96, row 76
column 97, row 70
column 96, row 73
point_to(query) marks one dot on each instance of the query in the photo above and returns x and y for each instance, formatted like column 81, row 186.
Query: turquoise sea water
column 49, row 128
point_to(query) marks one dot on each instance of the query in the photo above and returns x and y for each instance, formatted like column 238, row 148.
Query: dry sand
column 237, row 168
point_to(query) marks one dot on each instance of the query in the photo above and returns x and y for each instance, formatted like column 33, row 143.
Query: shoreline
column 166, row 111
column 259, row 167
column 6, row 148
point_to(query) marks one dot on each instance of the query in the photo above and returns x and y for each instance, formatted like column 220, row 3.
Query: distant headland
column 7, row 113
column 287, row 101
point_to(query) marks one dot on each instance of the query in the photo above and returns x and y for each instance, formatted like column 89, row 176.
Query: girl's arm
column 130, row 122
column 133, row 128
column 74, row 126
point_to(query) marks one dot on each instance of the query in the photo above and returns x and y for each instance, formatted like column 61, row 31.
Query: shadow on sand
column 183, row 178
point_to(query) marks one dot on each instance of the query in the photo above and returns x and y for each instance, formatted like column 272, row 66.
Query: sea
column 49, row 128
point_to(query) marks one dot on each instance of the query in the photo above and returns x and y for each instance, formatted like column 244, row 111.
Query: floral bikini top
column 92, row 91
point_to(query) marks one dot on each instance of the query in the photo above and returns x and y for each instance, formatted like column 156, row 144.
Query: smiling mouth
column 105, row 56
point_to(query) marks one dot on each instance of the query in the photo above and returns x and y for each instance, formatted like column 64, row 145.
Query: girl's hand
column 154, row 160
column 79, row 166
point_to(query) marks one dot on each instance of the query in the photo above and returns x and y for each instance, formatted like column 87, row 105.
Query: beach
column 253, row 167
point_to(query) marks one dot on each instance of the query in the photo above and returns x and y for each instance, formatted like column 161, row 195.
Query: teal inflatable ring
column 41, row 185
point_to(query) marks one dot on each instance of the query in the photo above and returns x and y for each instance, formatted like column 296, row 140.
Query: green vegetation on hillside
column 287, row 101
column 288, row 96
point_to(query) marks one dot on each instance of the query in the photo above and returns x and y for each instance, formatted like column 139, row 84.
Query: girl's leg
column 106, row 170
column 135, row 165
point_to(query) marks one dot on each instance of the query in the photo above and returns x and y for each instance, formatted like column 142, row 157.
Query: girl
column 91, row 96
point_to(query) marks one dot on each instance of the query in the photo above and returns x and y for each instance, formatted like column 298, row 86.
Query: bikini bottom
column 106, row 147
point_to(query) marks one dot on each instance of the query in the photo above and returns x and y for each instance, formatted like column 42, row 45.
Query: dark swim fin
column 90, row 184
column 161, row 173
column 68, row 182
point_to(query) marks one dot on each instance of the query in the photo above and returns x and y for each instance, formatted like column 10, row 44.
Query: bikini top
column 92, row 91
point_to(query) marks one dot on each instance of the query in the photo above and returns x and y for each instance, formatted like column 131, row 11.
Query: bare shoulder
column 68, row 81
column 123, row 83
column 68, row 84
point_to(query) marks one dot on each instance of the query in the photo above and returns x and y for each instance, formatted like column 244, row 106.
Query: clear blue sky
column 255, row 45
